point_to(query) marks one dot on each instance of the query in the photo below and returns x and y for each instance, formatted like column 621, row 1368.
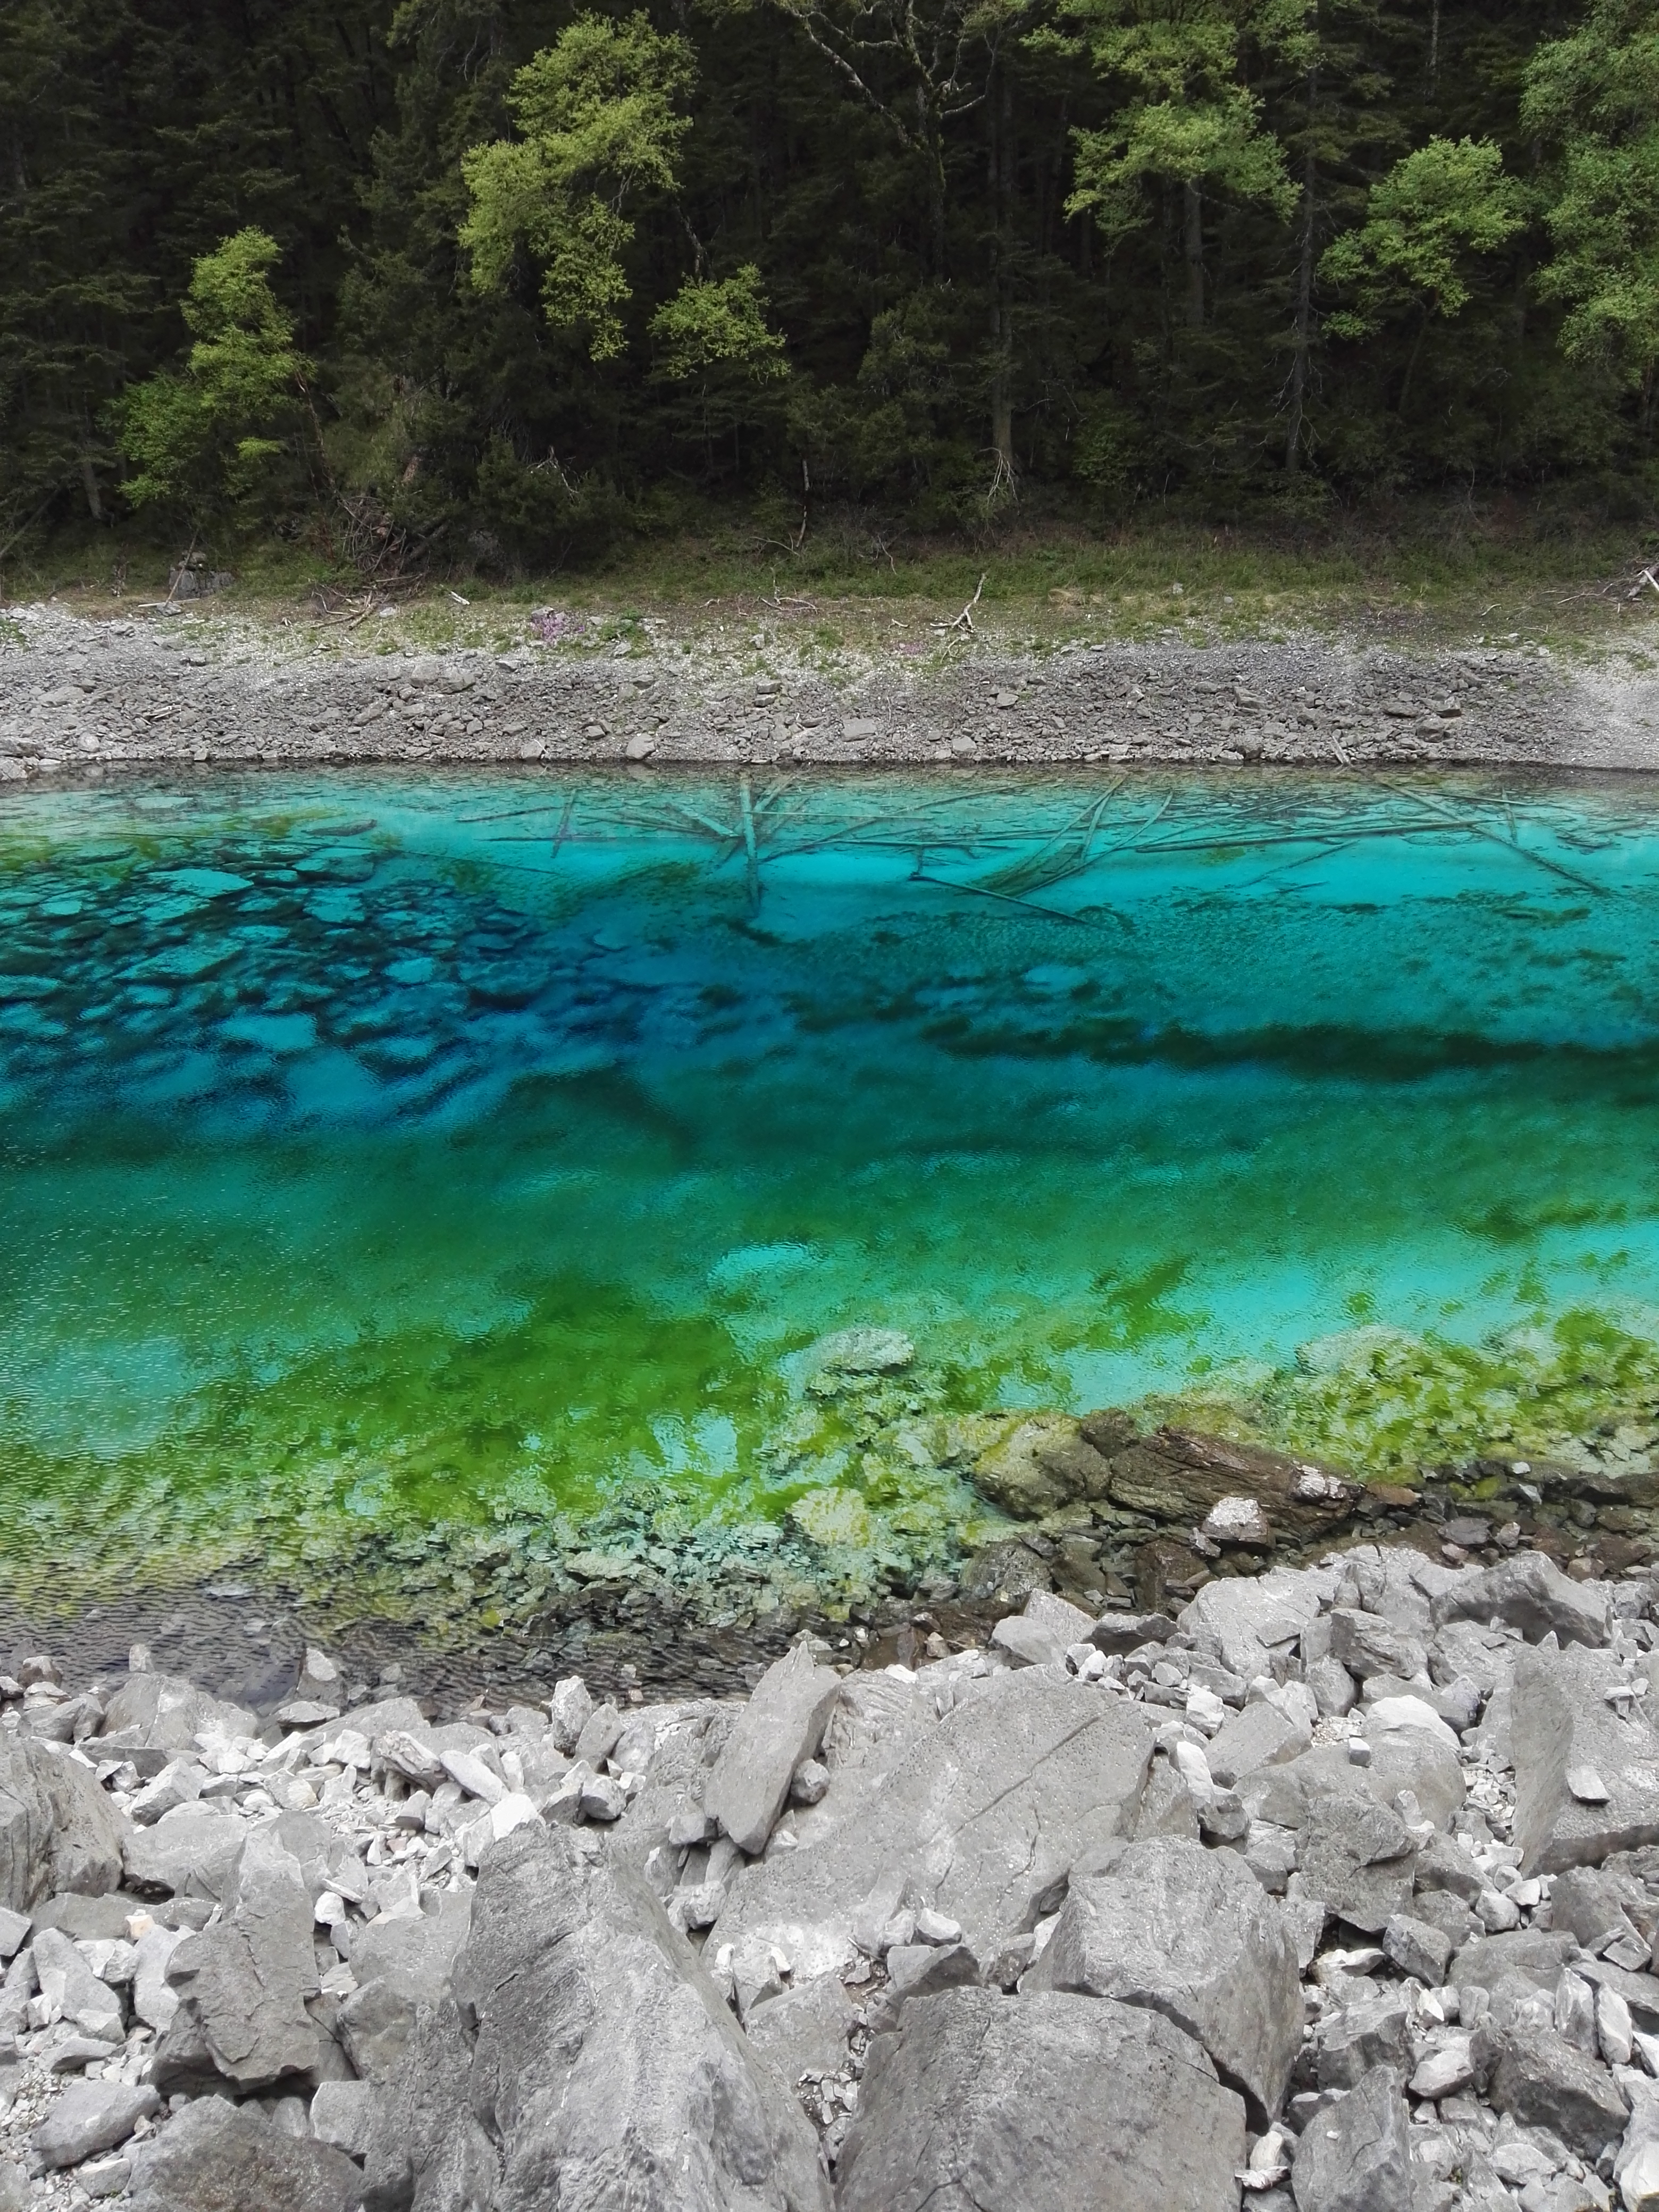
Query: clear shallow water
column 396, row 1169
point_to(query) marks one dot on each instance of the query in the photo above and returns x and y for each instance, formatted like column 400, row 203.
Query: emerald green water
column 406, row 1181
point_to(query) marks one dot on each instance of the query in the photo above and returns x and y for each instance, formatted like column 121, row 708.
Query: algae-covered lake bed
column 460, row 1197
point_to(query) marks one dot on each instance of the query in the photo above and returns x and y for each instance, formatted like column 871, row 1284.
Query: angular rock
column 214, row 2156
column 1529, row 1592
column 1191, row 1934
column 1334, row 1689
column 781, row 1725
column 1532, row 1955
column 1358, row 2039
column 1357, row 1857
column 90, row 2116
column 1355, row 2156
column 984, row 2104
column 1406, row 1759
column 400, row 1966
column 1418, row 1948
column 1042, row 1633
column 163, row 1712
column 1443, row 1864
column 1446, row 2072
column 1242, row 1620
column 1539, row 2080
column 985, row 1814
column 606, row 2066
column 154, row 2000
column 342, row 2114
column 71, row 1986
column 57, row 1829
column 1561, row 1722
column 1260, row 1735
column 1367, row 1645
column 804, row 2027
column 570, row 1708
column 243, row 1984
column 1116, row 1633
column 191, row 1852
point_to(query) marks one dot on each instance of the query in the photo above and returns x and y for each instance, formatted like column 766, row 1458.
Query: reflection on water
column 385, row 1152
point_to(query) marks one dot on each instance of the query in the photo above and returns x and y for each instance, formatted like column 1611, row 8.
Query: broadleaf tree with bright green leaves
column 1182, row 113
column 1594, row 97
column 600, row 130
column 1443, row 204
column 206, row 439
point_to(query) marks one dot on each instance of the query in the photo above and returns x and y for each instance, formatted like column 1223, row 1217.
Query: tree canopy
column 517, row 276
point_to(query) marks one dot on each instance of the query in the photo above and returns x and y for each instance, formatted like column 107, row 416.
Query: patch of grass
column 851, row 592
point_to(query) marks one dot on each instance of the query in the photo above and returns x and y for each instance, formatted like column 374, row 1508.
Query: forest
column 514, row 279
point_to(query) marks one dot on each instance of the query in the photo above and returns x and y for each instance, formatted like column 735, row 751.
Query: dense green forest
column 511, row 277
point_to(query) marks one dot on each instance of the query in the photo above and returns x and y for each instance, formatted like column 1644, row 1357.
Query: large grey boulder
column 1358, row 1857
column 190, row 1851
column 1542, row 2080
column 90, row 2116
column 1356, row 2155
column 57, row 1829
column 1262, row 1735
column 163, row 1712
column 984, row 1816
column 1192, row 1933
column 426, row 2147
column 1050, row 2103
column 1401, row 1758
column 605, row 2068
column 1367, row 1645
column 400, row 1966
column 1042, row 1635
column 243, row 1984
column 1586, row 1771
column 1244, row 1620
column 1355, row 2039
column 1529, row 1592
column 781, row 1725
column 805, row 2027
column 1534, row 1956
column 214, row 2156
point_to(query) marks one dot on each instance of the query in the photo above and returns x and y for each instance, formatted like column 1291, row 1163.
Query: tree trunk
column 89, row 479
column 931, row 139
column 1302, row 328
column 1194, row 250
column 999, row 107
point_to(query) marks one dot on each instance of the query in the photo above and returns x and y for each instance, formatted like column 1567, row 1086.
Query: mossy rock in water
column 1045, row 1463
column 1041, row 1465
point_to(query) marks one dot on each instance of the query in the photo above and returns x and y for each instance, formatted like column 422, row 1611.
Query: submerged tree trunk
column 1194, row 250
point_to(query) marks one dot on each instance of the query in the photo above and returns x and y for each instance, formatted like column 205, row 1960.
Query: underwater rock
column 860, row 1352
column 1043, row 1463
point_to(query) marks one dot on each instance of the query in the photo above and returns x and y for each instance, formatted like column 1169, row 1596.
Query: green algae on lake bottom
column 413, row 1185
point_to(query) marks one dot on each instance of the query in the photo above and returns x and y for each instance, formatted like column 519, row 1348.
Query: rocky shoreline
column 80, row 697
column 1334, row 1888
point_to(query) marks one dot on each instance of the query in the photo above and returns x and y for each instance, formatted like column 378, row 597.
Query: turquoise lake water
column 387, row 1157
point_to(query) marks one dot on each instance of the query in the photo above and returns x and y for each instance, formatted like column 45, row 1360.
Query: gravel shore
column 78, row 696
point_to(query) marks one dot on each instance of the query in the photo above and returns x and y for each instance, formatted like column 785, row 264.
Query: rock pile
column 1338, row 1892
column 81, row 696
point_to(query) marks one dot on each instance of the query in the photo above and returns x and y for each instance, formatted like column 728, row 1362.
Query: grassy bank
column 842, row 583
